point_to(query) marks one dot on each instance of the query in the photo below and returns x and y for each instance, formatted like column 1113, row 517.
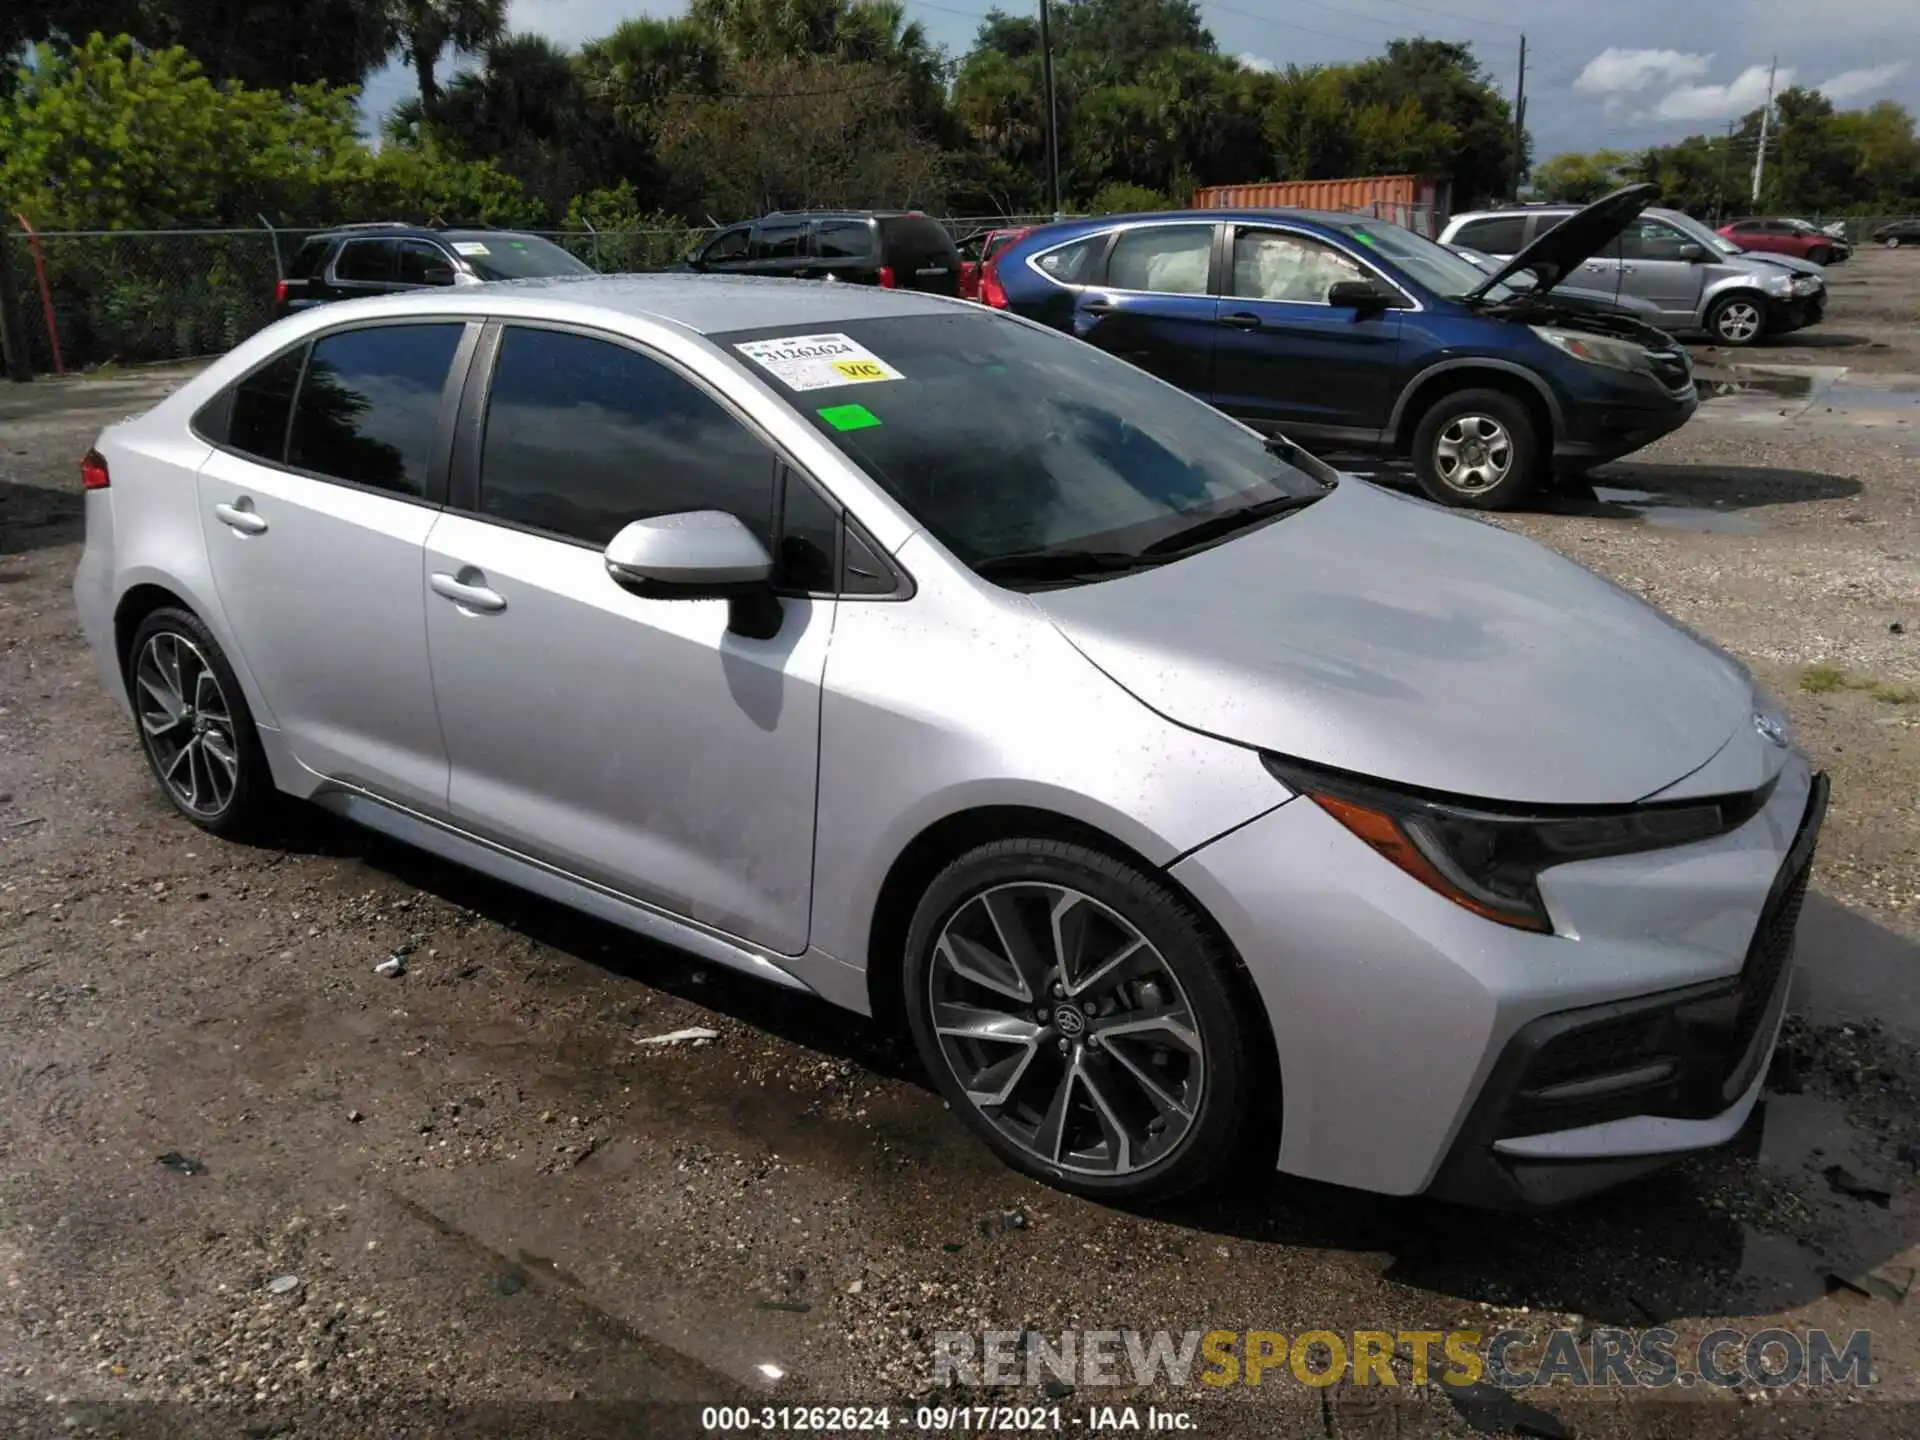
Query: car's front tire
column 1082, row 1018
column 1737, row 320
column 195, row 728
column 1477, row 448
column 1893, row 242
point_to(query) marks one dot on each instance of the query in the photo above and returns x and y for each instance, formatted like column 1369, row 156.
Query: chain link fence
column 138, row 296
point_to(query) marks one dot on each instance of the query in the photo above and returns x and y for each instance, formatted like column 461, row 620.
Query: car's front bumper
column 1408, row 1028
column 1606, row 428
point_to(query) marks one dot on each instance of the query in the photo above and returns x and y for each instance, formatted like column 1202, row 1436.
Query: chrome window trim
column 1110, row 234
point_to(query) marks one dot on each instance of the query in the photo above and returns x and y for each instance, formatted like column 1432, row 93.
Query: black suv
column 902, row 250
column 380, row 259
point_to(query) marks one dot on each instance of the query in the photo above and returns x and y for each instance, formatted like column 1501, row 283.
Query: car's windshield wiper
column 1216, row 527
column 1060, row 564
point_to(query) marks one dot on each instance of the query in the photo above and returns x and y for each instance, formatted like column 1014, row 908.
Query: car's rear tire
column 1737, row 320
column 1477, row 448
column 195, row 728
column 1082, row 1018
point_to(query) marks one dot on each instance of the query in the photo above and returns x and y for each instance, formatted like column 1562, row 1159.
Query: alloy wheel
column 1739, row 322
column 1473, row 453
column 187, row 724
column 1066, row 1028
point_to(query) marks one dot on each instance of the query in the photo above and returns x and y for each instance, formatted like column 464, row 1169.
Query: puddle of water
column 1746, row 382
column 1669, row 514
column 1863, row 397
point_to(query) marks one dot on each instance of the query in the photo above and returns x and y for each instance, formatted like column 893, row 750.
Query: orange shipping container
column 1420, row 200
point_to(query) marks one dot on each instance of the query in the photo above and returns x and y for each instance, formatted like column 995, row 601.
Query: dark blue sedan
column 1354, row 334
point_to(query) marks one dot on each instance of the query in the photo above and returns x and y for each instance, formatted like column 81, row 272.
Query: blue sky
column 1619, row 74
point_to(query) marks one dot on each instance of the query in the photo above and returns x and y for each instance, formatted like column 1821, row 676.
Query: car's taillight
column 93, row 471
column 280, row 292
column 886, row 277
column 992, row 292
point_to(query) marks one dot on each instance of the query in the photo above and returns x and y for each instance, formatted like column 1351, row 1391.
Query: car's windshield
column 1011, row 443
column 515, row 257
column 1434, row 266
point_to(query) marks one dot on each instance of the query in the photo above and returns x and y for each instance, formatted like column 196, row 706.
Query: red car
column 982, row 250
column 1788, row 237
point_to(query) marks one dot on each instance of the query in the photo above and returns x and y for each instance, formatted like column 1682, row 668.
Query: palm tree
column 423, row 30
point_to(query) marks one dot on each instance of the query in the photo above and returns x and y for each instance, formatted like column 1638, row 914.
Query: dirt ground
column 248, row 1186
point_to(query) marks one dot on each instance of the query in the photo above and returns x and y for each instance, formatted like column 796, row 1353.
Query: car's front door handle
column 468, row 596
column 242, row 517
column 1241, row 320
column 1097, row 306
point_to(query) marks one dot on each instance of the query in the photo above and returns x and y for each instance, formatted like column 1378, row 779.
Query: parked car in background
column 1896, row 233
column 1700, row 281
column 985, row 247
column 1357, row 334
column 1573, row 296
column 896, row 250
column 1787, row 237
column 1169, row 790
column 353, row 261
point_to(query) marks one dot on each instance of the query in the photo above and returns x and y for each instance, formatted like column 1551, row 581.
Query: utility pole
column 1053, row 110
column 1766, row 115
column 1720, row 190
column 1520, row 119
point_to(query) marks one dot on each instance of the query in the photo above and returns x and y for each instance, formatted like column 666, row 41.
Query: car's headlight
column 1770, row 720
column 1777, row 284
column 1805, row 284
column 1594, row 349
column 1488, row 857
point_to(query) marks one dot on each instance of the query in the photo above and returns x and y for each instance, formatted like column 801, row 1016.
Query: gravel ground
column 244, row 1176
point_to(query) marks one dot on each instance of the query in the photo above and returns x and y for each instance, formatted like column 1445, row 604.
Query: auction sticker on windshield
column 470, row 247
column 818, row 362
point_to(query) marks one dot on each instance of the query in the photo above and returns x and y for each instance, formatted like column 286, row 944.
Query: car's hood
column 1792, row 263
column 1579, row 237
column 1382, row 635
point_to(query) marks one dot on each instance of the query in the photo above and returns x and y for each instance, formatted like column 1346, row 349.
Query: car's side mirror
column 699, row 555
column 1691, row 253
column 441, row 275
column 1363, row 295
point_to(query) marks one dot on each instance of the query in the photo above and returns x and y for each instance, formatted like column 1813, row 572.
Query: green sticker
column 1363, row 237
column 849, row 417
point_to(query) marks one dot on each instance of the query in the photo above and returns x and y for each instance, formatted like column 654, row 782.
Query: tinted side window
column 1171, row 259
column 585, row 436
column 1497, row 235
column 365, row 260
column 369, row 405
column 779, row 240
column 419, row 258
column 809, row 539
column 730, row 246
column 842, row 239
column 1072, row 264
column 307, row 260
column 257, row 424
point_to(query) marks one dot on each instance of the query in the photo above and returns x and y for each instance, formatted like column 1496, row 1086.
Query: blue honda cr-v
column 1357, row 334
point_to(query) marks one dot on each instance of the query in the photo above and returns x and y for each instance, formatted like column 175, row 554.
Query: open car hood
column 1579, row 237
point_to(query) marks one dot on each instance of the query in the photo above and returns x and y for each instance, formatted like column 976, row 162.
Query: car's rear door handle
column 241, row 517
column 1241, row 320
column 466, row 595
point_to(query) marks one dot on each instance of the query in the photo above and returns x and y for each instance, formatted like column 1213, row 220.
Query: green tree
column 1579, row 178
column 422, row 31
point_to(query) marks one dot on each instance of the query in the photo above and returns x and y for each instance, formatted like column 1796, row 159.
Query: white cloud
column 1747, row 91
column 1853, row 84
column 1615, row 70
column 1250, row 61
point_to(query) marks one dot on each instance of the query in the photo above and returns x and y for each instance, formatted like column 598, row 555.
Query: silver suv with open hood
column 1698, row 281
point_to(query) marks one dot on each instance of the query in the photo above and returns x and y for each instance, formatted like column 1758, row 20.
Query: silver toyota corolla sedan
column 1175, row 793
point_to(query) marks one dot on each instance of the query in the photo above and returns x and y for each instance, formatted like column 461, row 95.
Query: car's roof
column 1340, row 219
column 385, row 230
column 705, row 304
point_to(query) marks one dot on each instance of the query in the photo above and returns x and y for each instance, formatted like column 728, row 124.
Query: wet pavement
column 485, row 1188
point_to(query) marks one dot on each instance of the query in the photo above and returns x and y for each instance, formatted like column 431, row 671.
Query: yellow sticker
column 861, row 369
